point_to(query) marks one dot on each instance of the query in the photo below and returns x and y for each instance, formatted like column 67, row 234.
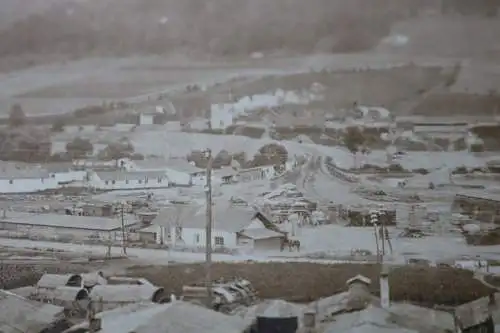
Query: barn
column 64, row 227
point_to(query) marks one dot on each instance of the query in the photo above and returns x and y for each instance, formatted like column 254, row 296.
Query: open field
column 303, row 282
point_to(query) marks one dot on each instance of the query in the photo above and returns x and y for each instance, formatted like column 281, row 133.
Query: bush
column 79, row 148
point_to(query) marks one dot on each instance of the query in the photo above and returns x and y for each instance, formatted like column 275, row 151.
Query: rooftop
column 18, row 314
column 67, row 221
column 226, row 218
column 480, row 195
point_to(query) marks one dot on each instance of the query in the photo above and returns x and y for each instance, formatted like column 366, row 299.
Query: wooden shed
column 113, row 296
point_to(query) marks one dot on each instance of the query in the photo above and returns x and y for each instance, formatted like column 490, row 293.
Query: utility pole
column 208, row 231
column 124, row 244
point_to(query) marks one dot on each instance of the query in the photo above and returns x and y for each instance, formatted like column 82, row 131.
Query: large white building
column 232, row 227
column 64, row 227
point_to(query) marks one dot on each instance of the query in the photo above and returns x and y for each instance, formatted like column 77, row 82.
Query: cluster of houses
column 123, row 174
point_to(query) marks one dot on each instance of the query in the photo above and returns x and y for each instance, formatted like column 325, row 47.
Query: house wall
column 196, row 237
column 146, row 119
column 27, row 185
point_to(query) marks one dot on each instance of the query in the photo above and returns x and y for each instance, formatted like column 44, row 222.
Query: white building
column 64, row 227
column 26, row 181
column 127, row 180
column 146, row 118
column 232, row 227
column 179, row 171
column 65, row 173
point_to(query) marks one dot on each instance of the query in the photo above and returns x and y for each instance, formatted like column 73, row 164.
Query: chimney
column 384, row 287
column 309, row 322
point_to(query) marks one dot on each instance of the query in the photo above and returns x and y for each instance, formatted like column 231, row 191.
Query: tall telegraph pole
column 208, row 231
column 124, row 242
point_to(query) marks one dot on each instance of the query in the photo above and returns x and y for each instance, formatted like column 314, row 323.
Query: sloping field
column 379, row 87
column 457, row 37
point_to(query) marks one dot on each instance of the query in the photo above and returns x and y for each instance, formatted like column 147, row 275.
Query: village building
column 127, row 180
column 65, row 227
column 27, row 181
column 232, row 227
column 480, row 206
column 147, row 317
column 179, row 171
column 65, row 173
column 19, row 314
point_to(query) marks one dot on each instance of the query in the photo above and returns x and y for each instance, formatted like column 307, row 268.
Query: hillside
column 218, row 26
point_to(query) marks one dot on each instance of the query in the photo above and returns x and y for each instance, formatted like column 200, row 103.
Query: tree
column 58, row 125
column 117, row 150
column 353, row 140
column 79, row 148
column 272, row 154
column 17, row 117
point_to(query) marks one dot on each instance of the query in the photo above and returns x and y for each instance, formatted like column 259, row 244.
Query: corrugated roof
column 130, row 175
column 183, row 165
column 18, row 314
column 67, row 221
column 226, row 218
column 24, row 174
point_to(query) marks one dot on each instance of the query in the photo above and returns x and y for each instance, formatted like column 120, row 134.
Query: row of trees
column 207, row 26
column 270, row 154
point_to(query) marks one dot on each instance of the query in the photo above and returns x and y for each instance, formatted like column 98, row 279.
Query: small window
column 197, row 238
column 113, row 182
column 126, row 181
column 219, row 241
column 159, row 180
column 106, row 182
column 139, row 181
column 11, row 181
